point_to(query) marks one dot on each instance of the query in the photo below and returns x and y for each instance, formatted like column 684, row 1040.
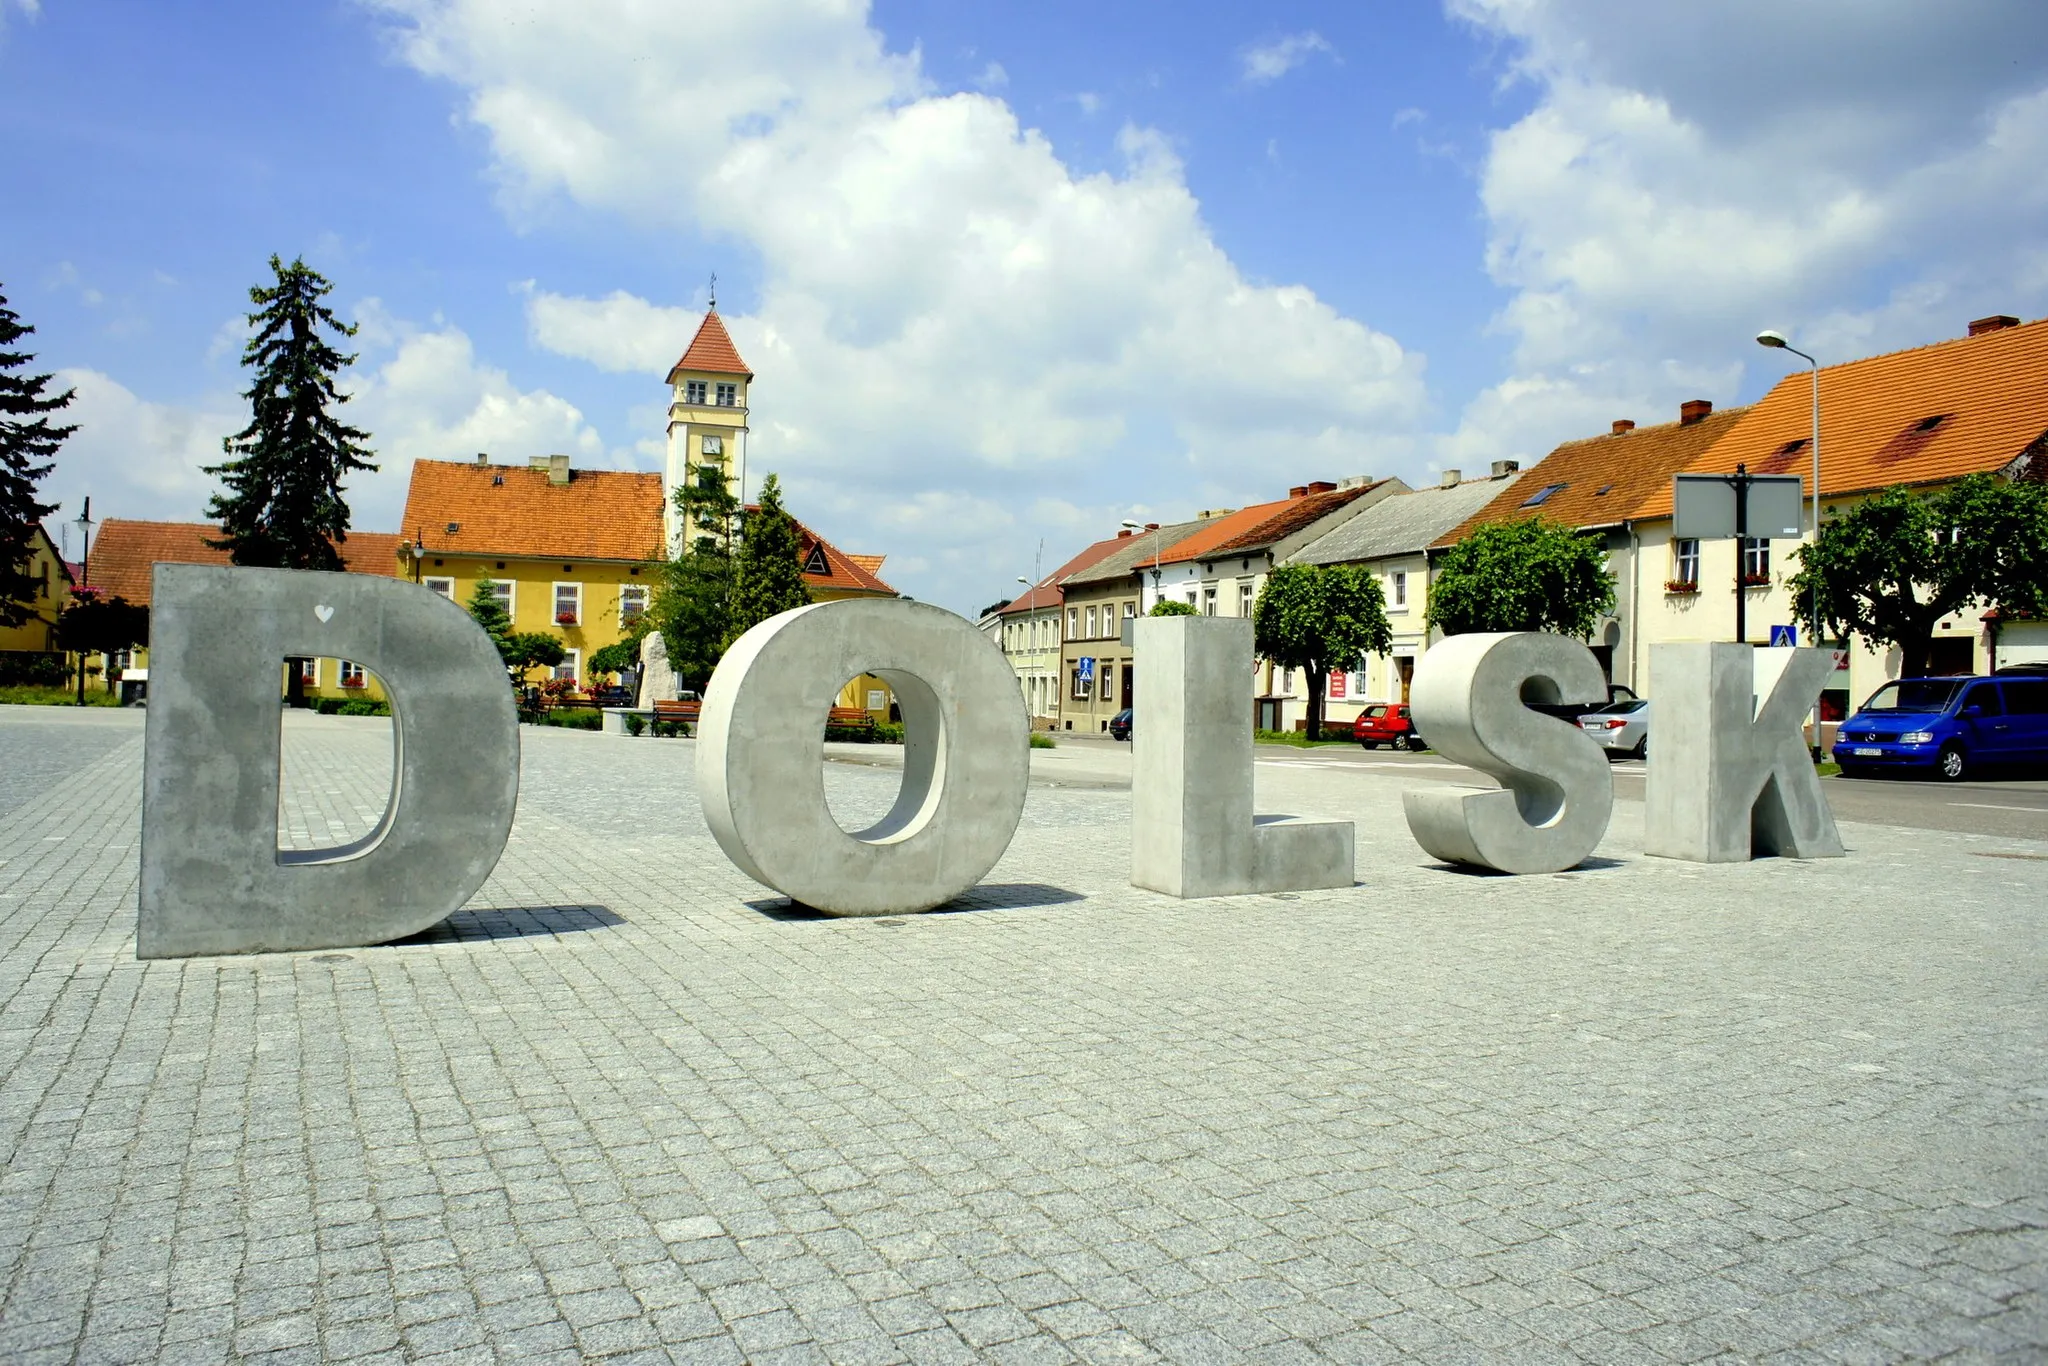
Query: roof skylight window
column 1542, row 495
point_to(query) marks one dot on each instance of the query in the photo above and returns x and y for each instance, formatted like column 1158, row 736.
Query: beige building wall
column 1093, row 630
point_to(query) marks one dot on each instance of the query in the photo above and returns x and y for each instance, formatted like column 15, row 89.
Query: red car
column 1385, row 724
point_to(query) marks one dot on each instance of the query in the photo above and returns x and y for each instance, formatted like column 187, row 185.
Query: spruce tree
column 282, row 506
column 27, row 443
column 771, row 568
column 693, row 591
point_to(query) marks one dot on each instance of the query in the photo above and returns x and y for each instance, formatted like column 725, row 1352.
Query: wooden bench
column 849, row 718
column 677, row 712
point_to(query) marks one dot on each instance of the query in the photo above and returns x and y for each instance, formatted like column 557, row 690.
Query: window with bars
column 571, row 666
column 501, row 589
column 568, row 604
column 445, row 587
column 632, row 604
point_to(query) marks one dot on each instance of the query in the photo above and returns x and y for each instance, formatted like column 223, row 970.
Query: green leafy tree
column 616, row 657
column 1316, row 618
column 281, row 504
column 90, row 624
column 525, row 651
column 28, row 443
column 1890, row 568
column 770, row 578
column 1168, row 607
column 1534, row 575
column 692, row 600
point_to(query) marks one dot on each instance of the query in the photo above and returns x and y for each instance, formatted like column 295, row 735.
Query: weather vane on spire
column 714, row 291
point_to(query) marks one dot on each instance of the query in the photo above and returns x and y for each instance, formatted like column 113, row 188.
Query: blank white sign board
column 1704, row 507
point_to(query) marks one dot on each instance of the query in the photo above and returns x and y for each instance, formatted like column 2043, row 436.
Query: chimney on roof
column 1502, row 467
column 1997, row 322
column 1321, row 486
column 1450, row 479
column 1356, row 481
column 1123, row 533
column 483, row 457
column 558, row 469
column 1694, row 410
column 1298, row 491
column 1151, row 526
column 1623, row 425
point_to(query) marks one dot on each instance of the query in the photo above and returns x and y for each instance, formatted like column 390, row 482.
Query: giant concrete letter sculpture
column 1192, row 829
column 1722, row 786
column 966, row 757
column 213, row 878
column 1466, row 700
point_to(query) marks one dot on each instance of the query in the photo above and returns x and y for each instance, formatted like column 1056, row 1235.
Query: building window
column 1080, row 686
column 728, row 395
column 309, row 672
column 351, row 674
column 1400, row 581
column 445, row 587
column 501, row 589
column 568, row 604
column 1209, row 602
column 1245, row 596
column 1756, row 560
column 1091, row 622
column 1685, row 561
column 693, row 391
column 632, row 604
column 1130, row 611
column 1073, row 623
column 569, row 668
column 1108, row 690
column 1287, row 682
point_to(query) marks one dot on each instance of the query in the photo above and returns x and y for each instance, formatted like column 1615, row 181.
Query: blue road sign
column 1087, row 669
column 1785, row 637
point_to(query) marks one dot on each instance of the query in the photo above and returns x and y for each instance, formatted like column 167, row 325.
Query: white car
column 1622, row 728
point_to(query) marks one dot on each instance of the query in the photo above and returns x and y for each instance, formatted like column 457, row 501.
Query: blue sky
column 1006, row 273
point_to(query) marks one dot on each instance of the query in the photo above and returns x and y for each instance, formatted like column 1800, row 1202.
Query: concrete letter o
column 1466, row 700
column 966, row 760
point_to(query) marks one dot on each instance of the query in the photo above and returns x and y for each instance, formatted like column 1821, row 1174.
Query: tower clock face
column 714, row 445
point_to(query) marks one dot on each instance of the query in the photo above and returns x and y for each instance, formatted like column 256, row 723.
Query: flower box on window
column 1681, row 585
column 1756, row 580
column 565, row 618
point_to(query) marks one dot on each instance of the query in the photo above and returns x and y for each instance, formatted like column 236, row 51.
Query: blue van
column 1949, row 726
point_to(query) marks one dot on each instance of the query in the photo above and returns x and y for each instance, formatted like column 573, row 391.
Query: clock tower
column 707, row 417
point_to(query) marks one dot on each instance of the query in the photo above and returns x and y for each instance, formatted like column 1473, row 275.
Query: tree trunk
column 294, row 684
column 1916, row 656
column 1317, row 678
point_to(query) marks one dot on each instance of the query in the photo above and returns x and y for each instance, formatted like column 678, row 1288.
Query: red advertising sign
column 1336, row 683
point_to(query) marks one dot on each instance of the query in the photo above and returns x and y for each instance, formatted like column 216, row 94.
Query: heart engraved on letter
column 324, row 612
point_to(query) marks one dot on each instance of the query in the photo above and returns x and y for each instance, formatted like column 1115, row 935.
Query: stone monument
column 657, row 679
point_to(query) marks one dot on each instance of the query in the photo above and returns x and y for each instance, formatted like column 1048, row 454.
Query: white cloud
column 1862, row 174
column 948, row 316
column 1267, row 62
column 134, row 457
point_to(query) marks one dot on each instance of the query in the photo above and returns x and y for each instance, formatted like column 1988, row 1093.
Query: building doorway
column 1404, row 668
column 1130, row 673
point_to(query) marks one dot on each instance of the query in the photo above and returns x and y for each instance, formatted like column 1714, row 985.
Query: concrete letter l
column 213, row 879
column 966, row 762
column 1192, row 829
column 1466, row 701
column 1722, row 787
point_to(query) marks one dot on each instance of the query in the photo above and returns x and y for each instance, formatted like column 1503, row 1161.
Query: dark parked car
column 1383, row 723
column 1120, row 725
column 1572, row 711
column 1947, row 727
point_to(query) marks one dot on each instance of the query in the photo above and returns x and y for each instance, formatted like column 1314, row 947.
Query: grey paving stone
column 629, row 1105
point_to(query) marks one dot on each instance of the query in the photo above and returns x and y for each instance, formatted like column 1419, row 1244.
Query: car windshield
column 1623, row 708
column 1375, row 711
column 1914, row 694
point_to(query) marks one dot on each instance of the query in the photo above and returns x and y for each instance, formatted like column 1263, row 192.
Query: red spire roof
column 711, row 350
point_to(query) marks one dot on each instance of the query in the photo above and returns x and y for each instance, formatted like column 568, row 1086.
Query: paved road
column 2014, row 806
column 628, row 1106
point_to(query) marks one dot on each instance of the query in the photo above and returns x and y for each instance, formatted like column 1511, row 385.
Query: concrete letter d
column 1722, row 787
column 966, row 761
column 213, row 879
column 1192, row 829
column 1466, row 701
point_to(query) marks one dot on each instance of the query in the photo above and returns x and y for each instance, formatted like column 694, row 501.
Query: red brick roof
column 512, row 510
column 711, row 350
column 126, row 553
column 1048, row 592
column 843, row 572
column 1923, row 416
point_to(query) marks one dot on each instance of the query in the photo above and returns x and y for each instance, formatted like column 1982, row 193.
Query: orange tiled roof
column 510, row 510
column 126, row 553
column 1048, row 593
column 871, row 563
column 1289, row 517
column 843, row 572
column 1604, row 478
column 711, row 350
column 1924, row 416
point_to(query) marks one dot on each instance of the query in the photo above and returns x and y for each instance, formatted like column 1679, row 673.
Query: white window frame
column 1685, row 560
column 1247, row 596
column 1399, row 580
column 555, row 609
column 636, row 592
column 571, row 666
column 1081, row 687
column 728, row 396
column 351, row 670
column 440, row 583
column 1073, row 623
column 1756, row 557
column 309, row 671
column 1209, row 601
column 695, row 391
column 506, row 591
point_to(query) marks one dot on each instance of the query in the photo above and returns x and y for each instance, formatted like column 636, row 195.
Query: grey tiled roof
column 1402, row 524
column 1133, row 556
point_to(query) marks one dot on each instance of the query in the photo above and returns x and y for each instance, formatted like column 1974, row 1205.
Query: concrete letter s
column 1723, row 787
column 1192, row 829
column 1466, row 701
column 213, row 879
column 966, row 761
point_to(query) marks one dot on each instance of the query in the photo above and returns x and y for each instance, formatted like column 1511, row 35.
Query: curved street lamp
column 1776, row 341
column 1134, row 527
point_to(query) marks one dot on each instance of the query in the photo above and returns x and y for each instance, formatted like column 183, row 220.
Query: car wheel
column 1642, row 749
column 1951, row 766
column 1416, row 745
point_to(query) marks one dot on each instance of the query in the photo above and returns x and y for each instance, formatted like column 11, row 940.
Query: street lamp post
column 85, row 577
column 1156, row 552
column 1776, row 341
column 1031, row 637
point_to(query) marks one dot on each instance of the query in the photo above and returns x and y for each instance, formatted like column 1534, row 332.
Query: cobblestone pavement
column 630, row 1106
